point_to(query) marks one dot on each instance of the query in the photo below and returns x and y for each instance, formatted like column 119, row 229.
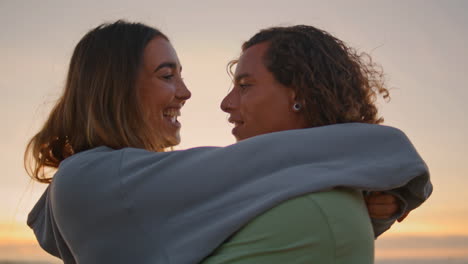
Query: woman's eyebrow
column 166, row 64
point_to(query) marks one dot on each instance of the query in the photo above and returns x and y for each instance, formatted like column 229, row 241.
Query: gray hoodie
column 136, row 206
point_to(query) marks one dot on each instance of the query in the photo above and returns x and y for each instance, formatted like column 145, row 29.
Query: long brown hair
column 99, row 105
column 335, row 83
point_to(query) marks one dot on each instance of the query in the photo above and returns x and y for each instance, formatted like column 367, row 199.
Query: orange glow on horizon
column 426, row 253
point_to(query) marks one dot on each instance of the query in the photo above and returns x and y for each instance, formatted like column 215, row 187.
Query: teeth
column 172, row 112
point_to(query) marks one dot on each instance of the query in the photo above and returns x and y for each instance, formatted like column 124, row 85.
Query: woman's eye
column 244, row 85
column 168, row 77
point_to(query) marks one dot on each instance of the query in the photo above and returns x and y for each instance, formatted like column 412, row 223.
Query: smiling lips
column 236, row 122
column 171, row 115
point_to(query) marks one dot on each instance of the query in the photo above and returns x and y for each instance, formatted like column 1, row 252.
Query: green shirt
column 325, row 227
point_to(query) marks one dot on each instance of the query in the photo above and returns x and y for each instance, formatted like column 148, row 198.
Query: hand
column 382, row 206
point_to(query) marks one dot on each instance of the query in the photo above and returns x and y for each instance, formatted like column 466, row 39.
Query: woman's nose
column 183, row 93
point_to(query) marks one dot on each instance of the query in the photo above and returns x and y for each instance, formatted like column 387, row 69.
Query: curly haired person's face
column 257, row 103
column 162, row 91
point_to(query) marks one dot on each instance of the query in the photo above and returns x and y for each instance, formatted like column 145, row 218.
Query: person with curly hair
column 117, row 195
column 294, row 78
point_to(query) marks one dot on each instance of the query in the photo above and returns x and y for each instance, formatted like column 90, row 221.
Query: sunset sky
column 422, row 46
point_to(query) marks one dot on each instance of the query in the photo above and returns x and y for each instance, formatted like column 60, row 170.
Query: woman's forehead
column 158, row 51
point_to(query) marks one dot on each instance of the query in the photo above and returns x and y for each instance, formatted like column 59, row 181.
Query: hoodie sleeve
column 174, row 200
column 410, row 196
column 233, row 184
column 41, row 220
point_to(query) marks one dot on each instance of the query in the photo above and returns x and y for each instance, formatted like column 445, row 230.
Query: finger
column 382, row 210
column 381, row 199
column 403, row 217
column 372, row 194
column 379, row 216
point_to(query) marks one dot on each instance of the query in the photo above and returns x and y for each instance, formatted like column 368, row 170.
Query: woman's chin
column 171, row 140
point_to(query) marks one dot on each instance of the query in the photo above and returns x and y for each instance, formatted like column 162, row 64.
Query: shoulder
column 103, row 160
column 85, row 176
column 345, row 212
column 337, row 216
column 90, row 157
column 84, row 165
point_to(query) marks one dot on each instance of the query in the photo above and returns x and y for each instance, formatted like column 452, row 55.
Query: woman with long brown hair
column 118, row 197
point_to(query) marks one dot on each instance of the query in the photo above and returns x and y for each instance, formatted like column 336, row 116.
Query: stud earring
column 297, row 107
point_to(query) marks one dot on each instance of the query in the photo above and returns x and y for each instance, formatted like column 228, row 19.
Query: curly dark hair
column 335, row 83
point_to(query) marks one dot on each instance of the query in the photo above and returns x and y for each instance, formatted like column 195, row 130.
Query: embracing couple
column 313, row 177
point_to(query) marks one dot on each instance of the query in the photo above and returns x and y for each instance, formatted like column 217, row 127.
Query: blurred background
column 422, row 46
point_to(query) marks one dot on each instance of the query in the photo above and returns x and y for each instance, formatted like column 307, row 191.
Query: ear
column 293, row 97
column 299, row 115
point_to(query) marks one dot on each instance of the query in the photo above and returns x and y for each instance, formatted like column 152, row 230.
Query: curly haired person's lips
column 237, row 125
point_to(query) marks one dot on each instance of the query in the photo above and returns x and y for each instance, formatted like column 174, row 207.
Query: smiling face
column 161, row 90
column 258, row 104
